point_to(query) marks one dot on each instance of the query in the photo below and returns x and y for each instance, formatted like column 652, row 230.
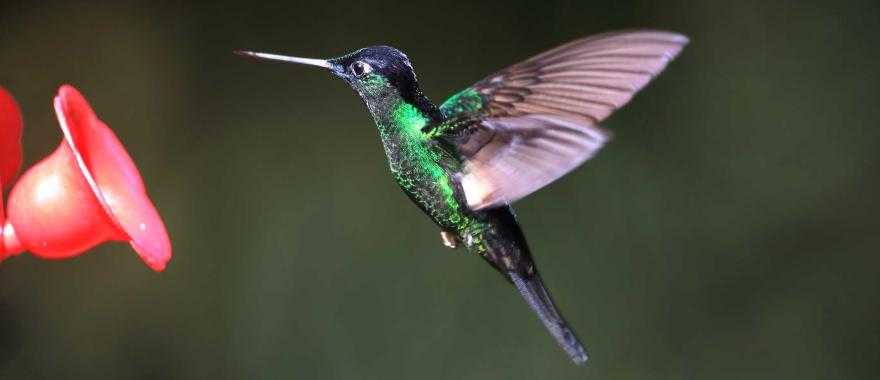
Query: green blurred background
column 728, row 232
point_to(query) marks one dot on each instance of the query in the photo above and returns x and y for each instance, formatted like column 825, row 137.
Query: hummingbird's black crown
column 385, row 60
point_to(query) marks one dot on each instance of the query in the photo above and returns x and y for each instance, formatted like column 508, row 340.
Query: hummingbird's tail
column 501, row 243
column 536, row 296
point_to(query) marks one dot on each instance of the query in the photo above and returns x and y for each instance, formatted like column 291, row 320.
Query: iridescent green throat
column 417, row 164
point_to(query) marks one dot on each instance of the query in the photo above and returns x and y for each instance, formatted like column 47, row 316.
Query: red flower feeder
column 86, row 192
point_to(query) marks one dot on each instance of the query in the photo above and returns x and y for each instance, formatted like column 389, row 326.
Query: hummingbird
column 519, row 129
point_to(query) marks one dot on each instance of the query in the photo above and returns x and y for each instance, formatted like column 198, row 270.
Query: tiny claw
column 449, row 239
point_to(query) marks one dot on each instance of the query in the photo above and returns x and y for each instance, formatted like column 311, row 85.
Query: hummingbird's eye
column 360, row 68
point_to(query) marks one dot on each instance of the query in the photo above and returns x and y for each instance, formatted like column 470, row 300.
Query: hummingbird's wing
column 535, row 121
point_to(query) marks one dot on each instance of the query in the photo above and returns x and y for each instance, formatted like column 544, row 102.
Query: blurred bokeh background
column 728, row 232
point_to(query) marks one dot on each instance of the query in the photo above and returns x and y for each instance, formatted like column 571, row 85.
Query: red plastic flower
column 86, row 192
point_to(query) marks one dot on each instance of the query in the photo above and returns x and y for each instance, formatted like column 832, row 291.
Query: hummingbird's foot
column 449, row 239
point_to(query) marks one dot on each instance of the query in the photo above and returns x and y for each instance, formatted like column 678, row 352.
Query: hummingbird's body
column 427, row 172
column 421, row 168
column 501, row 139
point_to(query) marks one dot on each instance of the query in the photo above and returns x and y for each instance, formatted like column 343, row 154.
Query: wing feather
column 538, row 119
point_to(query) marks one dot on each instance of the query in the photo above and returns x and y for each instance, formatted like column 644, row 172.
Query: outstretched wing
column 537, row 120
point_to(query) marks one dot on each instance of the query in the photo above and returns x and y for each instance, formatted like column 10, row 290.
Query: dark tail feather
column 507, row 251
column 533, row 291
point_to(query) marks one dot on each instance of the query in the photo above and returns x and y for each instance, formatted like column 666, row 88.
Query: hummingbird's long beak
column 283, row 58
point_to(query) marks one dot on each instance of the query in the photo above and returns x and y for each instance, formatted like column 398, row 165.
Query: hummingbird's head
column 376, row 73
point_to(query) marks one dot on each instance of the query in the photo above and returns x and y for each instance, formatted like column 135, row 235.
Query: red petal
column 10, row 138
column 113, row 177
